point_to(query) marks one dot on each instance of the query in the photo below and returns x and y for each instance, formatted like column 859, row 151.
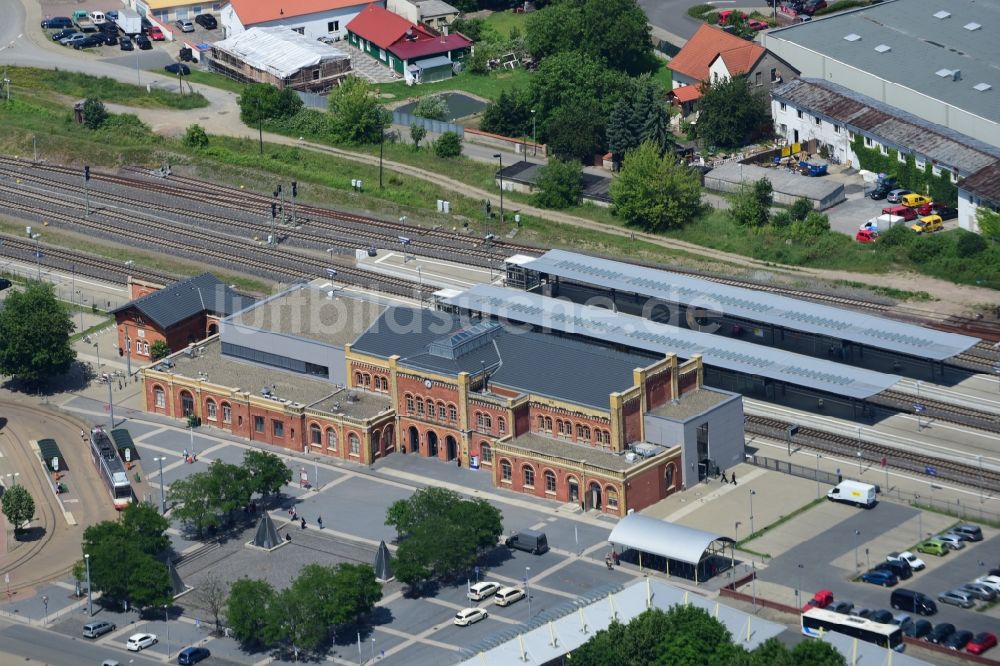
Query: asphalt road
column 671, row 15
column 22, row 644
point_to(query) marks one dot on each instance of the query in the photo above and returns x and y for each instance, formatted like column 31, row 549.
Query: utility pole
column 295, row 193
column 86, row 188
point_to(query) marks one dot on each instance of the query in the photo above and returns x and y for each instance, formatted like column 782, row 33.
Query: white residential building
column 316, row 19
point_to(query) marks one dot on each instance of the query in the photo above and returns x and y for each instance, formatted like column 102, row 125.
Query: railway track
column 942, row 411
column 904, row 459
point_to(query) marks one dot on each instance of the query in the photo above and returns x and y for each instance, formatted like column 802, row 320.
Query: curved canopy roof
column 658, row 537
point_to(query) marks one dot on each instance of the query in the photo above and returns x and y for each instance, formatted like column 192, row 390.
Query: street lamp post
column 798, row 590
column 857, row 535
column 982, row 484
column 733, row 549
column 166, row 621
column 163, row 500
column 90, row 598
column 38, row 254
column 500, row 173
column 818, row 456
column 527, row 590
column 534, row 141
column 752, row 493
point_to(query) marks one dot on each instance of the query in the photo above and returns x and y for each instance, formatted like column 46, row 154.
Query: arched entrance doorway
column 452, row 447
column 594, row 493
column 187, row 403
column 388, row 441
column 414, row 438
column 213, row 329
column 432, row 444
column 574, row 489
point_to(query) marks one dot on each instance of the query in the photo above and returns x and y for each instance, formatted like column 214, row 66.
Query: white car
column 464, row 618
column 953, row 541
column 915, row 562
column 482, row 590
column 992, row 582
column 508, row 595
column 137, row 642
column 184, row 25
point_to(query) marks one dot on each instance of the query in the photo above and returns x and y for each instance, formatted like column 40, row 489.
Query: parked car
column 915, row 562
column 866, row 235
column 957, row 597
column 62, row 34
column 73, row 39
column 946, row 213
column 934, row 547
column 953, row 541
column 904, row 212
column 914, row 200
column 917, row 629
column 90, row 41
column 207, row 21
column 4, row 283
column 898, row 567
column 482, row 590
column 530, row 541
column 810, row 7
column 894, row 196
column 899, row 619
column 928, row 224
column 142, row 41
column 467, row 616
column 110, row 38
column 507, row 595
column 98, row 629
column 178, row 68
column 981, row 642
column 880, row 577
column 821, row 599
column 192, row 655
column 861, row 612
column 881, row 616
column 57, row 22
column 912, row 602
column 137, row 642
column 184, row 25
column 990, row 581
column 958, row 640
column 757, row 25
column 842, row 607
column 980, row 591
column 125, row 44
column 940, row 632
column 154, row 33
column 967, row 532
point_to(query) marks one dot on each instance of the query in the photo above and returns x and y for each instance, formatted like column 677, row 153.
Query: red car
column 866, row 236
column 981, row 643
column 905, row 212
column 757, row 26
column 821, row 599
column 726, row 13
column 155, row 34
column 934, row 208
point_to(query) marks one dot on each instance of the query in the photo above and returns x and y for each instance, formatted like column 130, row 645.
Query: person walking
column 734, row 478
column 319, row 521
column 303, row 523
column 724, row 479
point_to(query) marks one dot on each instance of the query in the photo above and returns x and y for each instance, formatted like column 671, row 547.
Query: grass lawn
column 30, row 80
column 215, row 80
column 489, row 86
column 664, row 76
column 503, row 21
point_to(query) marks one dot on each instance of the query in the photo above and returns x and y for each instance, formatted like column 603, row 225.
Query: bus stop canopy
column 668, row 540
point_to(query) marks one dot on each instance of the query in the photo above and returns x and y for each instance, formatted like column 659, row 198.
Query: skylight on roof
column 883, row 48
column 853, row 37
column 982, row 87
column 972, row 26
column 942, row 14
column 943, row 73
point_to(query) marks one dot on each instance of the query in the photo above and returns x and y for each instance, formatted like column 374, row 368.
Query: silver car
column 957, row 597
column 184, row 25
column 895, row 195
column 980, row 591
column 953, row 541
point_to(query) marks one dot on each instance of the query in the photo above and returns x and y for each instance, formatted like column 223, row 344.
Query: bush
column 559, row 183
column 94, row 113
column 698, row 11
column 899, row 236
column 471, row 28
column 925, row 248
column 433, row 107
column 195, row 136
column 969, row 244
column 448, row 144
column 800, row 209
column 841, row 5
column 478, row 62
column 122, row 126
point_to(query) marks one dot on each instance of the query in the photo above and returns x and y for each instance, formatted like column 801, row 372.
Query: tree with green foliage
column 159, row 349
column 267, row 472
column 471, row 28
column 232, row 485
column 730, row 112
column 94, row 113
column 247, row 610
column 261, row 102
column 988, row 222
column 817, row 653
column 441, row 535
column 34, row 335
column 752, row 204
column 640, row 115
column 449, row 144
column 433, row 107
column 509, row 114
column 739, row 25
column 560, row 183
column 655, row 191
column 19, row 507
column 813, row 225
column 556, row 29
column 575, row 79
column 358, row 116
column 195, row 136
column 576, row 132
column 417, row 133
column 479, row 62
column 969, row 244
column 192, row 502
column 145, row 527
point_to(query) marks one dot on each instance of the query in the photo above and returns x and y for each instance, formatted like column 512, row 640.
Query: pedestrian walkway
column 365, row 66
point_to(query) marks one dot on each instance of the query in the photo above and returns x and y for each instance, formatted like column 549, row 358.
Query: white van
column 98, row 17
column 853, row 492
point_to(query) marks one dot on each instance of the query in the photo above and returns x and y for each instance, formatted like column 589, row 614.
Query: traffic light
column 295, row 188
column 274, row 209
column 86, row 173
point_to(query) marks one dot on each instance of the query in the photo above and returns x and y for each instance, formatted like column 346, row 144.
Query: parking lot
column 826, row 560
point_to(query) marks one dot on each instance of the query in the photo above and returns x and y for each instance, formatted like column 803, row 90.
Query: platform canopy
column 658, row 537
column 615, row 328
column 754, row 305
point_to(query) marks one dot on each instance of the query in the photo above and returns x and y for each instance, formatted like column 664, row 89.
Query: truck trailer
column 129, row 22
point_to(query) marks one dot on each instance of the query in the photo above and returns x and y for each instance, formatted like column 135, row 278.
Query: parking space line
column 415, row 638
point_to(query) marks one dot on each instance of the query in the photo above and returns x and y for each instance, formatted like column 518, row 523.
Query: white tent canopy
column 658, row 537
column 278, row 50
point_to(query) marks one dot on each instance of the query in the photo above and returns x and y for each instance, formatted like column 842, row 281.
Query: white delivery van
column 98, row 17
column 853, row 492
column 883, row 223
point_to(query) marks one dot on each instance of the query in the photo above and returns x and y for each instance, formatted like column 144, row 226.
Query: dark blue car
column 880, row 577
column 192, row 655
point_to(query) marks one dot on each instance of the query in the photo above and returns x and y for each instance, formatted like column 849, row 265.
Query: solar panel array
column 758, row 306
column 639, row 333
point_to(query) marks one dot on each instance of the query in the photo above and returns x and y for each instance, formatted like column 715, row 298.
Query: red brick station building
column 558, row 417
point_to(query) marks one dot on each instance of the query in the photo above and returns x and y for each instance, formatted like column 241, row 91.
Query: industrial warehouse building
column 281, row 57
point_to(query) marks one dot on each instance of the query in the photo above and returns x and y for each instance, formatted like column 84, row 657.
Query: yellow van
column 913, row 200
column 927, row 224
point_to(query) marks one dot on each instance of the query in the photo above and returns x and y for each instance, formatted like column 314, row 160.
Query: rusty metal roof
column 888, row 125
column 985, row 183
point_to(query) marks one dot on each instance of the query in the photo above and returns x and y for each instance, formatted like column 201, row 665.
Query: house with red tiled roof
column 316, row 19
column 712, row 54
column 412, row 50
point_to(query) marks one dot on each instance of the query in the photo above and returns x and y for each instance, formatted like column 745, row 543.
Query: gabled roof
column 985, row 183
column 407, row 50
column 708, row 43
column 382, row 27
column 186, row 298
column 686, row 94
column 278, row 50
column 252, row 12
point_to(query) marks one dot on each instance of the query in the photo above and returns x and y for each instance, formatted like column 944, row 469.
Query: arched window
column 409, row 404
column 586, row 433
column 541, row 423
column 211, row 411
column 442, row 413
column 579, row 431
column 315, row 435
column 159, row 397
column 385, row 384
column 187, row 403
column 506, row 471
column 612, row 497
column 420, row 407
column 354, row 443
column 501, row 425
column 529, row 476
column 358, row 379
column 368, row 380
column 548, row 424
column 486, row 453
column 331, row 439
column 559, row 426
column 452, row 413
column 670, row 474
column 550, row 481
column 227, row 413
column 488, row 420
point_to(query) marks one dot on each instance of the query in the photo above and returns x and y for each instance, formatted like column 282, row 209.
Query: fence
column 313, row 100
column 436, row 126
column 517, row 146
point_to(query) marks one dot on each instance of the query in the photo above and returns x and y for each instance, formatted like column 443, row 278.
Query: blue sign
column 477, row 570
column 930, row 470
column 919, row 409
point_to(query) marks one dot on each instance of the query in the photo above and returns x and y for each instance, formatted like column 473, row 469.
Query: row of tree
column 203, row 499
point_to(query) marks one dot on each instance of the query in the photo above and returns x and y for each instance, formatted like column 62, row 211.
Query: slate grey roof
column 592, row 185
column 985, row 183
column 526, row 361
column 186, row 298
column 889, row 124
column 434, row 8
column 920, row 45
